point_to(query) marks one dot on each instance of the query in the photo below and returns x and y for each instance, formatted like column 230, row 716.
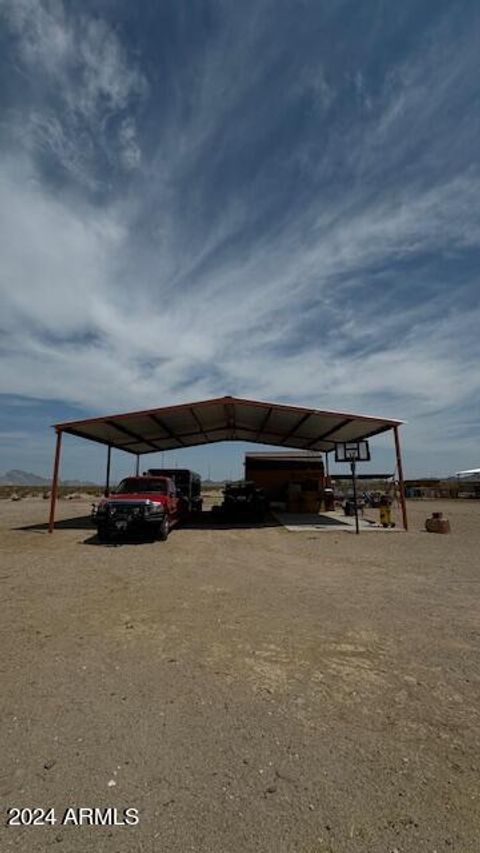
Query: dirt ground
column 246, row 689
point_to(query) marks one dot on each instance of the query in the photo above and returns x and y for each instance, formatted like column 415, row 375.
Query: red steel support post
column 400, row 478
column 54, row 491
column 107, row 478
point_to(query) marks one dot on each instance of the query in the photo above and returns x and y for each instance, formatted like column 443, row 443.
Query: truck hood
column 136, row 496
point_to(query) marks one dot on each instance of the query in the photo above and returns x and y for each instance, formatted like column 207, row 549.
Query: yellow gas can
column 385, row 515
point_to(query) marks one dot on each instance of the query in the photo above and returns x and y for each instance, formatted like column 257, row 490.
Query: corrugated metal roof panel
column 226, row 418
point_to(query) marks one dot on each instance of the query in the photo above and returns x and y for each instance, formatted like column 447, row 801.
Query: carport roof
column 226, row 419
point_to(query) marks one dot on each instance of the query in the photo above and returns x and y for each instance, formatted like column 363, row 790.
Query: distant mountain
column 16, row 477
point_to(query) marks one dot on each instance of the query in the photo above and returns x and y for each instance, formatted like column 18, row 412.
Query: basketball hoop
column 353, row 452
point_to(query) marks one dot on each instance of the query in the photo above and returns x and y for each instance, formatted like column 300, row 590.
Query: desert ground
column 245, row 688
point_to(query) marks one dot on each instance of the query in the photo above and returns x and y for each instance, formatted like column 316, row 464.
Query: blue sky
column 268, row 199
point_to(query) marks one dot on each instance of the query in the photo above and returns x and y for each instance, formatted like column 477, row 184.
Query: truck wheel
column 103, row 533
column 163, row 530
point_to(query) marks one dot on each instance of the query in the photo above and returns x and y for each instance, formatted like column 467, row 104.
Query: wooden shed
column 274, row 472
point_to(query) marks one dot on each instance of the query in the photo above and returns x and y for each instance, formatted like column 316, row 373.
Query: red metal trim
column 54, row 491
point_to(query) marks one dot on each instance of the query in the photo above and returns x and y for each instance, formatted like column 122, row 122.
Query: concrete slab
column 334, row 521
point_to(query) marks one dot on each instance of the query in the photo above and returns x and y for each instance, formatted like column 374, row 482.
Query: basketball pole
column 354, row 483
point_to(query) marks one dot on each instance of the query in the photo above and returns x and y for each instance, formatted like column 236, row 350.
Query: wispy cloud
column 80, row 75
column 243, row 213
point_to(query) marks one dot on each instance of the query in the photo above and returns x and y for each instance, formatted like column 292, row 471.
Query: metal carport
column 224, row 419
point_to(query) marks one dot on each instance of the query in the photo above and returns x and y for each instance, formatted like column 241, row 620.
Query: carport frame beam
column 401, row 483
column 107, row 475
column 54, row 492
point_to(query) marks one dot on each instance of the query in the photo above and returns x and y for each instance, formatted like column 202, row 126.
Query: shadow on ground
column 206, row 521
column 79, row 522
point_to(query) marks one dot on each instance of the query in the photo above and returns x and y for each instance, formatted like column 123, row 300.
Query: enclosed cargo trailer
column 188, row 484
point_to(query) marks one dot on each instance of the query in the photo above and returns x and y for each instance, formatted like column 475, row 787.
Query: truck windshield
column 131, row 485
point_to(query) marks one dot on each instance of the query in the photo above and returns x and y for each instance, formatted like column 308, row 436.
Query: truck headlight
column 151, row 508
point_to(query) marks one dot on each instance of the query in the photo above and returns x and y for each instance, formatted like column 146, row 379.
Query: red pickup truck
column 139, row 504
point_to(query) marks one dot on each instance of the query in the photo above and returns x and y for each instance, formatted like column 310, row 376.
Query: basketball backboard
column 352, row 451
